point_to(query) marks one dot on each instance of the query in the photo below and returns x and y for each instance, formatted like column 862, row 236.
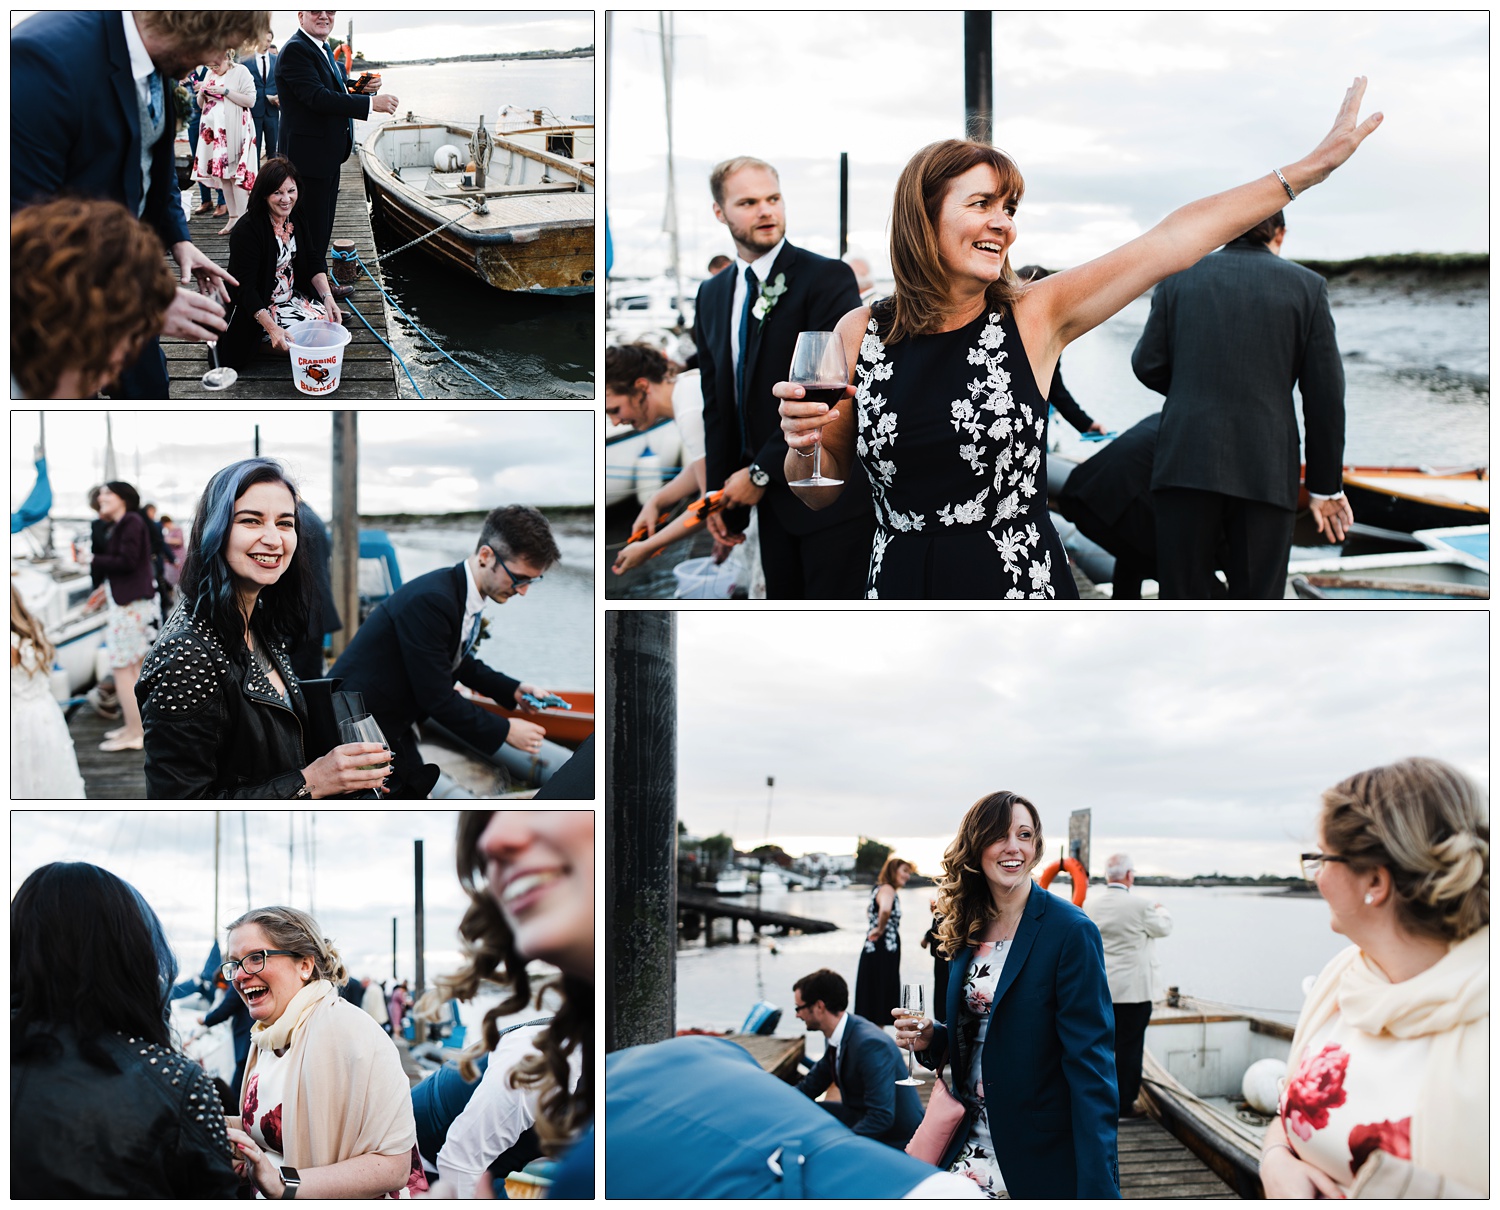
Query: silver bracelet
column 1290, row 193
column 1273, row 1147
column 798, row 452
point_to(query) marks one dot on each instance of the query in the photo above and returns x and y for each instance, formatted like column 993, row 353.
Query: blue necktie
column 154, row 98
column 473, row 639
column 739, row 369
column 333, row 63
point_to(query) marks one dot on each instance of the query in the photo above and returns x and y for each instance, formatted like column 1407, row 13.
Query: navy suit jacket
column 869, row 1064
column 401, row 660
column 81, row 132
column 260, row 109
column 1049, row 1057
column 819, row 293
column 317, row 112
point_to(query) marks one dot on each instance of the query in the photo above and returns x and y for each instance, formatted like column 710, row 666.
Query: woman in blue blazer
column 1030, row 1032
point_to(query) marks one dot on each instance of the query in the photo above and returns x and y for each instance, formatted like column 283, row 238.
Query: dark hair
column 87, row 954
column 518, row 530
column 964, row 901
column 126, row 493
column 825, row 985
column 623, row 364
column 719, row 261
column 273, row 174
column 920, row 302
column 206, row 587
column 491, row 956
column 1265, row 231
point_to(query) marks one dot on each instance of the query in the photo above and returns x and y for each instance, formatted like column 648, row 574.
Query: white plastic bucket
column 317, row 355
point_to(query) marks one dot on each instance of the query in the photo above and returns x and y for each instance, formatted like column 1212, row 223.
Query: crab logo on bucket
column 321, row 371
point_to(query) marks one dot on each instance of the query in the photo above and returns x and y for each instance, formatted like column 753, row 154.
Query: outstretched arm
column 1061, row 308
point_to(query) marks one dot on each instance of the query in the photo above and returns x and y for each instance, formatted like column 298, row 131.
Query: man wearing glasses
column 410, row 650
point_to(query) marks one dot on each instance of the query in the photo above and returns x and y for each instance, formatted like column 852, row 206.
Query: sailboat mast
column 665, row 26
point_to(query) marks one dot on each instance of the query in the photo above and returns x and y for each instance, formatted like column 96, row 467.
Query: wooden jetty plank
column 369, row 370
column 105, row 774
column 778, row 1055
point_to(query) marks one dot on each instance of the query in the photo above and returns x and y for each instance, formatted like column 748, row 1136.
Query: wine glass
column 819, row 368
column 219, row 378
column 914, row 1002
column 364, row 730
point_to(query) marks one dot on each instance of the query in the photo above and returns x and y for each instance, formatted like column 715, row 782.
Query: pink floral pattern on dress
column 270, row 1129
column 1394, row 1138
column 252, row 1101
column 221, row 118
column 1317, row 1087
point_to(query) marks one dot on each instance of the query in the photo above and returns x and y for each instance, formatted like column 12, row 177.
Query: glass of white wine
column 365, row 730
column 914, row 1007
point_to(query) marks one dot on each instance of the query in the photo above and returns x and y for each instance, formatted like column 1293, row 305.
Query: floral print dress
column 226, row 136
column 952, row 431
column 287, row 306
column 1352, row 1095
column 877, row 982
column 976, row 1160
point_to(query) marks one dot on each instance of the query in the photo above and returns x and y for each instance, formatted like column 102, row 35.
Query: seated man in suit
column 861, row 1058
column 408, row 653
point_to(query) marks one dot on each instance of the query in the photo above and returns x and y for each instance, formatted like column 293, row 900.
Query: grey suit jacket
column 1225, row 342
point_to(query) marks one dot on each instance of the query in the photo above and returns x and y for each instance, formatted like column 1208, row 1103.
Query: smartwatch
column 758, row 477
column 291, row 1180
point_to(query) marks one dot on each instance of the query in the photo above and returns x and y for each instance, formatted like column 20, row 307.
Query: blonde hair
column 214, row 28
column 292, row 930
column 27, row 627
column 1428, row 825
column 964, row 902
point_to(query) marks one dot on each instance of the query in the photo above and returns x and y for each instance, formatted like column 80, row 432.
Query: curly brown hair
column 964, row 901
column 86, row 278
column 491, row 956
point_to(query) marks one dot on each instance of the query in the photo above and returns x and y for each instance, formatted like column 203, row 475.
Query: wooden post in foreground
column 345, row 526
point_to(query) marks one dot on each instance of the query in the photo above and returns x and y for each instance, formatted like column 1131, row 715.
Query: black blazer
column 317, row 112
column 1118, row 475
column 819, row 293
column 401, row 660
column 1224, row 343
column 252, row 262
column 869, row 1064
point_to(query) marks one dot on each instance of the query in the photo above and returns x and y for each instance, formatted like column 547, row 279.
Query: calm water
column 1245, row 947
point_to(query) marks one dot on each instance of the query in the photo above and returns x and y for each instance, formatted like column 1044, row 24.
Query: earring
column 1369, row 898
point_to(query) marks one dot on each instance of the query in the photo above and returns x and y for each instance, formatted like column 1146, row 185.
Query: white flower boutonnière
column 770, row 295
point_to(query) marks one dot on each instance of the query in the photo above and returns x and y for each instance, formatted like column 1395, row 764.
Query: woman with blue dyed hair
column 102, row 1104
column 224, row 715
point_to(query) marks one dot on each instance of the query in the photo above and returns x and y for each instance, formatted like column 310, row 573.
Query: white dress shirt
column 473, row 607
column 763, row 267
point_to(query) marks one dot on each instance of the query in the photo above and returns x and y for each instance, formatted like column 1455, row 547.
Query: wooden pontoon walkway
column 105, row 774
column 369, row 370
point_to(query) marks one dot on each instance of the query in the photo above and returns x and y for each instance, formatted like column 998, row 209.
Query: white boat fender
column 447, row 158
column 1262, row 1085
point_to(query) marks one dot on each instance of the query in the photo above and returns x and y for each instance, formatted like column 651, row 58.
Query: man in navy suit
column 96, row 92
column 746, row 325
column 317, row 128
column 408, row 653
column 861, row 1059
column 262, row 67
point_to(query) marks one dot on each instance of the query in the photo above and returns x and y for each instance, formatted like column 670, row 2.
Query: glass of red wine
column 819, row 368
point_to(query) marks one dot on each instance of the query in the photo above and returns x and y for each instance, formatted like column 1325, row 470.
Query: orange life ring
column 1075, row 870
column 345, row 56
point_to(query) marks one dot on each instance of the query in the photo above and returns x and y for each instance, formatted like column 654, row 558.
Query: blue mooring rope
column 354, row 256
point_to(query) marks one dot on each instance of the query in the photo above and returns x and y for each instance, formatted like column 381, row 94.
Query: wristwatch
column 291, row 1180
column 758, row 477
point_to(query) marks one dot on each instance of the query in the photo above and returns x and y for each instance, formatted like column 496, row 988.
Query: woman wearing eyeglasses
column 223, row 713
column 101, row 1103
column 326, row 1109
column 1391, row 1053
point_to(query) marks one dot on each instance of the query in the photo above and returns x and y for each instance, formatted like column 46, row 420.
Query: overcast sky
column 364, row 873
column 1200, row 741
column 1114, row 118
column 410, row 461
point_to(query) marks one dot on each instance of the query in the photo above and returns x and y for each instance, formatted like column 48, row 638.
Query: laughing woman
column 223, row 713
column 326, row 1107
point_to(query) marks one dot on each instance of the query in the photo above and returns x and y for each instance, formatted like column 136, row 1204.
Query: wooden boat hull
column 1408, row 498
column 567, row 727
column 538, row 234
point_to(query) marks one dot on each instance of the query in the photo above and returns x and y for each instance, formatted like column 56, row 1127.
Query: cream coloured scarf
column 278, row 1034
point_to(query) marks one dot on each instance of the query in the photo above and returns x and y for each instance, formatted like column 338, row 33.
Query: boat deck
column 369, row 370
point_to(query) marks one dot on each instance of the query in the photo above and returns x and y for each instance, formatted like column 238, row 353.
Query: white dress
column 42, row 762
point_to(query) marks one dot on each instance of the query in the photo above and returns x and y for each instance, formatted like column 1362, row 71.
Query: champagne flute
column 219, row 378
column 364, row 730
column 914, row 1005
column 819, row 368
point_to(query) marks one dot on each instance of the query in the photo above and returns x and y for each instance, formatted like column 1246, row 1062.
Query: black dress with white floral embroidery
column 953, row 433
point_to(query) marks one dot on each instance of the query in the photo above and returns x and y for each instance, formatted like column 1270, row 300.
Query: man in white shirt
column 1129, row 926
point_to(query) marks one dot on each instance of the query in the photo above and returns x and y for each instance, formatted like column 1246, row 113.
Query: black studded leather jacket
column 154, row 1129
column 215, row 729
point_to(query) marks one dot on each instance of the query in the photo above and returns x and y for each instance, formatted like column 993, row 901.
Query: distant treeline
column 578, row 52
column 1438, row 264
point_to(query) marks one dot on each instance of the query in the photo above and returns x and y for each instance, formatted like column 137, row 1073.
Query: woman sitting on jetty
column 960, row 487
column 1391, row 1052
column 1030, row 1027
column 224, row 715
column 326, row 1106
column 226, row 133
column 529, row 876
column 279, row 276
column 102, row 1105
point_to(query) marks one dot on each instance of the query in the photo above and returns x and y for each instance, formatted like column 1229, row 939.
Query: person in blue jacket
column 1030, row 1029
